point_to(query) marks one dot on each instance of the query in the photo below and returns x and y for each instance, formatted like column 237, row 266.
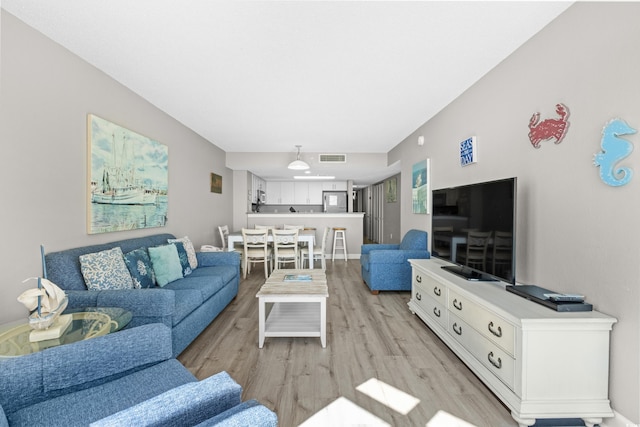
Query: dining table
column 307, row 236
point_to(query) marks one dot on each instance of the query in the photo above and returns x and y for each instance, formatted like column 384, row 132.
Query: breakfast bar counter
column 353, row 222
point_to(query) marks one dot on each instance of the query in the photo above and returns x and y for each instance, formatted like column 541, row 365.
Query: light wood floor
column 367, row 337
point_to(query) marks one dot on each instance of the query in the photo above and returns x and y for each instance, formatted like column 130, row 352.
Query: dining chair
column 440, row 248
column 293, row 227
column 262, row 227
column 256, row 249
column 475, row 253
column 285, row 247
column 502, row 253
column 318, row 251
column 224, row 235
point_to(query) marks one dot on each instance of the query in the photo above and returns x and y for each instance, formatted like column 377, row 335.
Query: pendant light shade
column 298, row 164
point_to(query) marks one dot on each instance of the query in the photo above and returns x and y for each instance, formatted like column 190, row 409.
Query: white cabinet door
column 301, row 193
column 315, row 193
column 287, row 193
column 273, row 193
column 334, row 186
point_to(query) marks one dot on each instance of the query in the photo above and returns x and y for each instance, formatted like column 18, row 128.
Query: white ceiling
column 264, row 76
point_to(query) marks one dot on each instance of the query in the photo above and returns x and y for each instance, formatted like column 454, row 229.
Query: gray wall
column 46, row 94
column 574, row 233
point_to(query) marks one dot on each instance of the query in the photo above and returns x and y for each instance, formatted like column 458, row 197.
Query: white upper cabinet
column 334, row 186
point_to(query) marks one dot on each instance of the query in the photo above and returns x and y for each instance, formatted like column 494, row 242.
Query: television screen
column 473, row 226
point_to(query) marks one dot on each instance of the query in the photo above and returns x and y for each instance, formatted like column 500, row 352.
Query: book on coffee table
column 297, row 278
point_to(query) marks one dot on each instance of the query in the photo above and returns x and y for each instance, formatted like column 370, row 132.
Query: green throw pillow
column 166, row 263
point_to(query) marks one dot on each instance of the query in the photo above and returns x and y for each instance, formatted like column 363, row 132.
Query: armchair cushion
column 249, row 413
column 386, row 266
column 124, row 378
column 188, row 404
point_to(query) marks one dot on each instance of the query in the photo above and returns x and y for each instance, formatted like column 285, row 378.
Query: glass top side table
column 86, row 323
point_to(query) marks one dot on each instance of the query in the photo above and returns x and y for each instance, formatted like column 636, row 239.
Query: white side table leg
column 261, row 321
column 323, row 322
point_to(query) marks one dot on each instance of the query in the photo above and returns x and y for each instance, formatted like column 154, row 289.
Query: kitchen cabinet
column 307, row 193
column 334, row 186
column 280, row 193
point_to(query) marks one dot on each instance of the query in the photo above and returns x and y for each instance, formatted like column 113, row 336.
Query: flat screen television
column 473, row 226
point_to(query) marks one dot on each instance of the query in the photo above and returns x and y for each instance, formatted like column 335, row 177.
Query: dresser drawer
column 501, row 364
column 430, row 286
column 429, row 305
column 487, row 323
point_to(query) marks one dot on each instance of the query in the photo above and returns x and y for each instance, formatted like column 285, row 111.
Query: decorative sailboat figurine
column 47, row 302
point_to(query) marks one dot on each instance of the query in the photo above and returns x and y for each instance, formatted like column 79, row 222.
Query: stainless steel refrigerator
column 334, row 201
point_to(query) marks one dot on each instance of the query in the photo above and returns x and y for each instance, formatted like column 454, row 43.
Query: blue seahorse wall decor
column 614, row 149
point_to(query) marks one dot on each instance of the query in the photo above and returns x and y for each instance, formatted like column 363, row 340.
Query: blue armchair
column 385, row 266
column 125, row 378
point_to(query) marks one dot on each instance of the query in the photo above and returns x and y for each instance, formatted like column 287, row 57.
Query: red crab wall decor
column 549, row 128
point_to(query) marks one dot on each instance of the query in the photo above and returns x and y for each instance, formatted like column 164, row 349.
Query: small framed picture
column 216, row 183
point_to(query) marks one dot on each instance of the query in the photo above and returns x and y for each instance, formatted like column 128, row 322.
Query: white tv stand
column 540, row 363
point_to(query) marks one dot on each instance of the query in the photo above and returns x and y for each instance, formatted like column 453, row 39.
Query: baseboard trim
column 618, row 420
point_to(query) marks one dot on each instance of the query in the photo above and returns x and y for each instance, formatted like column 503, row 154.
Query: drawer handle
column 496, row 332
column 457, row 329
column 457, row 304
column 436, row 311
column 418, row 278
column 437, row 291
column 418, row 296
column 497, row 364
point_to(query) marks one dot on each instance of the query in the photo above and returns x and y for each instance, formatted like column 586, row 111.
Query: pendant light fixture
column 298, row 164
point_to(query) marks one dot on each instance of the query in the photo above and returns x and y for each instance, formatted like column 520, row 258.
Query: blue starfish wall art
column 614, row 149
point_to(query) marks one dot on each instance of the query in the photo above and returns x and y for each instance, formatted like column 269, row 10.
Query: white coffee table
column 293, row 308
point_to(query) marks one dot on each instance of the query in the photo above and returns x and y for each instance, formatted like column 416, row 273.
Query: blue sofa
column 187, row 305
column 385, row 267
column 124, row 378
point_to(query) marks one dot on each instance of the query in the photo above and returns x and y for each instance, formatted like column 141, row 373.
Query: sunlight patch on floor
column 445, row 419
column 343, row 412
column 390, row 396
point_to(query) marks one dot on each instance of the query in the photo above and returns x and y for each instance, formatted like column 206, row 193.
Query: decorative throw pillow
column 184, row 258
column 139, row 265
column 166, row 263
column 191, row 252
column 105, row 270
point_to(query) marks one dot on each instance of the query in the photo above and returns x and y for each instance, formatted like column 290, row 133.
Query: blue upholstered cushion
column 414, row 240
column 207, row 280
column 191, row 252
column 166, row 263
column 139, row 265
column 249, row 413
column 185, row 405
column 105, row 270
column 184, row 258
column 187, row 300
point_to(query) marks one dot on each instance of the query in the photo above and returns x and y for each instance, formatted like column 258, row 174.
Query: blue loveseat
column 124, row 378
column 187, row 305
column 385, row 267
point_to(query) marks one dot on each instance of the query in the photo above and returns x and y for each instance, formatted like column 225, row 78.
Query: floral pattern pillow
column 139, row 265
column 191, row 252
column 105, row 270
column 184, row 258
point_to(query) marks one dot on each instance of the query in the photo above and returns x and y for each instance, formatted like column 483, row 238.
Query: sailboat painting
column 128, row 179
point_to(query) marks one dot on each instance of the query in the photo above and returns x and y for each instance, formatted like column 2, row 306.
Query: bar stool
column 339, row 242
